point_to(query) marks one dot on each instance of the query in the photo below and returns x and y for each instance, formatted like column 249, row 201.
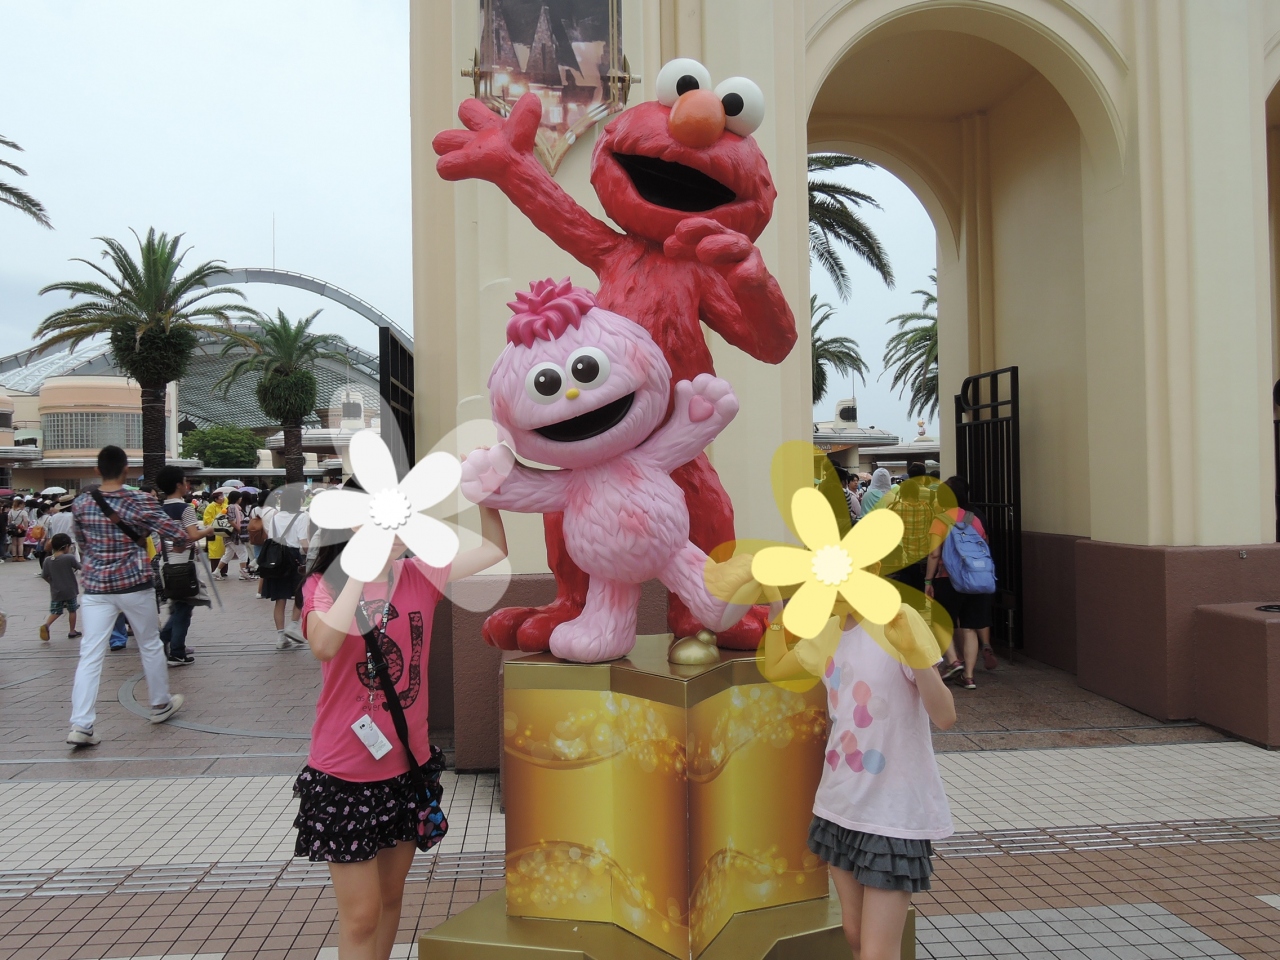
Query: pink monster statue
column 587, row 390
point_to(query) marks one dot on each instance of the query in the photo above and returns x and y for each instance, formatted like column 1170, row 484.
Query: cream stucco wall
column 1038, row 285
column 1096, row 169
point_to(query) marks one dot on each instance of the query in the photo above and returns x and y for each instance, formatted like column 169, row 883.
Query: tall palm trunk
column 294, row 461
column 153, row 432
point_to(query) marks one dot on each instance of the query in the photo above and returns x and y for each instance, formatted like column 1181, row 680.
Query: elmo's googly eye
column 589, row 367
column 743, row 105
column 680, row 76
column 545, row 383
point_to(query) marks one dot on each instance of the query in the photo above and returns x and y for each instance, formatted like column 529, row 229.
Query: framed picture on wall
column 566, row 52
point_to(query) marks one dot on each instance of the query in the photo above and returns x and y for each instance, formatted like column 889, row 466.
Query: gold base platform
column 809, row 930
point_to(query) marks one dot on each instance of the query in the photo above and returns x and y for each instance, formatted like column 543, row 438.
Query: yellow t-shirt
column 211, row 513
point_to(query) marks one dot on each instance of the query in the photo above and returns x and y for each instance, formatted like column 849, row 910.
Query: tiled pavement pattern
column 1214, row 888
column 174, row 841
column 1124, row 932
column 52, row 825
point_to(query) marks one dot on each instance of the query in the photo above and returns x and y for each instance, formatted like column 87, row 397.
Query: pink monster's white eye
column 589, row 367
column 545, row 383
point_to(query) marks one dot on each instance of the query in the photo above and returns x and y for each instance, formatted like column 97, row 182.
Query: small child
column 881, row 801
column 59, row 571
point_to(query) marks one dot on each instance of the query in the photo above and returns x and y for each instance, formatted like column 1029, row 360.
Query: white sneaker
column 293, row 631
column 282, row 642
column 82, row 738
column 161, row 714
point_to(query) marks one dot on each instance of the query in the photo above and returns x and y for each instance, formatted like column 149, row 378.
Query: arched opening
column 980, row 116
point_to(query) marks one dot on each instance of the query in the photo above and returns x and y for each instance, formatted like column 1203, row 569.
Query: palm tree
column 16, row 197
column 833, row 220
column 839, row 353
column 151, row 315
column 912, row 354
column 280, row 352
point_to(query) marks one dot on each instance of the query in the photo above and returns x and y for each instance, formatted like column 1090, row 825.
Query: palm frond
column 834, row 223
column 823, row 251
column 835, row 161
column 831, row 353
column 21, row 200
column 280, row 347
column 911, row 353
column 840, row 191
column 18, row 198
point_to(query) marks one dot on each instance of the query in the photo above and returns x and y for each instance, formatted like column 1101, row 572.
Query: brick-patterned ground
column 206, row 798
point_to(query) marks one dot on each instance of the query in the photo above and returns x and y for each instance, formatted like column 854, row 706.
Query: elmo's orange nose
column 697, row 118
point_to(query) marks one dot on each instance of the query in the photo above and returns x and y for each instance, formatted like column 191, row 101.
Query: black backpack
column 178, row 578
column 275, row 559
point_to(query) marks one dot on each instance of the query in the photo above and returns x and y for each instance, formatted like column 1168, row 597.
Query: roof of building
column 839, row 431
column 198, row 401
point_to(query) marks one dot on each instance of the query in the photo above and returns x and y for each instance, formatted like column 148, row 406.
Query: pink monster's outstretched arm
column 740, row 299
column 501, row 151
column 491, row 476
column 703, row 407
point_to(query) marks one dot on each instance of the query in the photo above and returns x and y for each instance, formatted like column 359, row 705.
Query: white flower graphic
column 390, row 509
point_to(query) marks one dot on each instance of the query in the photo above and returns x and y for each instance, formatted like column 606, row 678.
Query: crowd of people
column 225, row 531
column 930, row 510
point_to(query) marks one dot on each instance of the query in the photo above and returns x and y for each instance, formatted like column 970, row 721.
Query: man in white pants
column 117, row 578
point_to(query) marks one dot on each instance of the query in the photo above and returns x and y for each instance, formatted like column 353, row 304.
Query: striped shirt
column 111, row 562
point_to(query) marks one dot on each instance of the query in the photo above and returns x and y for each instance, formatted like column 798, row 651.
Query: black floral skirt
column 889, row 863
column 343, row 822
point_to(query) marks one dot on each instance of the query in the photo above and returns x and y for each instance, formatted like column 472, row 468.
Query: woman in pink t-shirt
column 360, row 810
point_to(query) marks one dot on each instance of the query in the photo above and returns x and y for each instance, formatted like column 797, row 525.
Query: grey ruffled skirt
column 888, row 863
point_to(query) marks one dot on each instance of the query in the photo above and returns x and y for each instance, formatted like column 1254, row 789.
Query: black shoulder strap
column 128, row 531
column 379, row 664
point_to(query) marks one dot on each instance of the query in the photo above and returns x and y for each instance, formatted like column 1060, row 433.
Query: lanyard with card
column 370, row 735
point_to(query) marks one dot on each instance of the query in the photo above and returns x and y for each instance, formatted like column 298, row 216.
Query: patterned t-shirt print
column 395, row 656
column 870, row 761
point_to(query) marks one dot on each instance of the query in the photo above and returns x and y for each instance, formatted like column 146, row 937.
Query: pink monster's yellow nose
column 697, row 118
column 572, row 393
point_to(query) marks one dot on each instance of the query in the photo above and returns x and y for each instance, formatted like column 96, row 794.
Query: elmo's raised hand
column 490, row 145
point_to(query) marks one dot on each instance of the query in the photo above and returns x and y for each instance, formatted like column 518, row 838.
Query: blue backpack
column 968, row 558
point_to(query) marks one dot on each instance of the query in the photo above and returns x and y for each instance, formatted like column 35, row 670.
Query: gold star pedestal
column 656, row 810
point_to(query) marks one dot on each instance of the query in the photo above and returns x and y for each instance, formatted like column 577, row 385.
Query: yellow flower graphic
column 831, row 567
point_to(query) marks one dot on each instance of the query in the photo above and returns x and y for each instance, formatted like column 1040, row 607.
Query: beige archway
column 1074, row 53
column 999, row 158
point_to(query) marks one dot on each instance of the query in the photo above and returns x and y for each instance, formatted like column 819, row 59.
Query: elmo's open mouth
column 674, row 185
column 590, row 424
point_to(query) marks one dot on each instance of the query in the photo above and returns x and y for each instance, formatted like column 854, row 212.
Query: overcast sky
column 211, row 119
column 208, row 119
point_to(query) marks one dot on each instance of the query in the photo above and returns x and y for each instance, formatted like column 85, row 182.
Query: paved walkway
column 1084, row 829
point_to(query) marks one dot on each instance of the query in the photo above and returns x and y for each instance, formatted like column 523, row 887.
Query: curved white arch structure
column 301, row 281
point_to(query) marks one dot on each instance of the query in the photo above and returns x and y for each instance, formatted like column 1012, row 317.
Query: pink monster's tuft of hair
column 547, row 311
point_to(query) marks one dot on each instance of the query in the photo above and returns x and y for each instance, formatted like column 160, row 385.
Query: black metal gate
column 988, row 456
column 395, row 383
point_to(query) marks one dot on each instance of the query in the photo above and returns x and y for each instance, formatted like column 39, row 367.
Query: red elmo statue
column 687, row 183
